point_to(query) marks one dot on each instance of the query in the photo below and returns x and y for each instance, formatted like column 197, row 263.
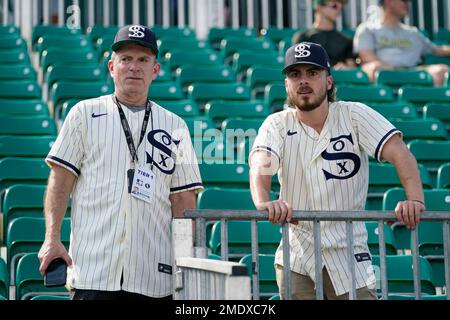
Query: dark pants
column 111, row 295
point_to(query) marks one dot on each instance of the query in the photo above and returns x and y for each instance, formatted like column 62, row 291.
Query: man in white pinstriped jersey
column 320, row 150
column 130, row 167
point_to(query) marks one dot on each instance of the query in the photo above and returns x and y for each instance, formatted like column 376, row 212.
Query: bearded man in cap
column 130, row 167
column 320, row 149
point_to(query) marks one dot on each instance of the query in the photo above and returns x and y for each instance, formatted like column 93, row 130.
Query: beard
column 306, row 103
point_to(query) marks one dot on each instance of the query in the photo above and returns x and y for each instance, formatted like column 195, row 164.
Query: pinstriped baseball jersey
column 114, row 233
column 326, row 171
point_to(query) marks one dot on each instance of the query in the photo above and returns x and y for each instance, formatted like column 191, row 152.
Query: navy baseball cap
column 137, row 34
column 306, row 53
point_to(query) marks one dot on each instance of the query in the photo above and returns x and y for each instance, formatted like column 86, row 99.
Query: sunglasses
column 332, row 5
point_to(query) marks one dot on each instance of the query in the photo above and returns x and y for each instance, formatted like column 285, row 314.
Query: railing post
column 446, row 239
column 200, row 237
column 318, row 260
column 416, row 263
column 286, row 262
column 255, row 259
column 350, row 257
column 382, row 250
column 224, row 239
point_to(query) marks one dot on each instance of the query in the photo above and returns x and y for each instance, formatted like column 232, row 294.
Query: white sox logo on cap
column 301, row 51
column 136, row 31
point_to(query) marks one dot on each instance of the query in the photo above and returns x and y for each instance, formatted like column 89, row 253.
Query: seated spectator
column 389, row 44
column 338, row 46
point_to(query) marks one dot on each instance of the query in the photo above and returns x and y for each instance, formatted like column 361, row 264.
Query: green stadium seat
column 103, row 45
column 350, row 77
column 382, row 177
column 29, row 281
column 432, row 59
column 26, row 146
column 267, row 278
column 163, row 75
column 442, row 35
column 52, row 42
column 427, row 129
column 183, row 108
column 176, row 59
column 202, row 93
column 431, row 154
column 364, row 93
column 216, row 35
column 56, row 56
column 26, row 107
column 227, row 199
column 400, row 274
column 95, row 32
column 224, row 175
column 24, row 200
column 9, row 30
column 189, row 44
column 443, row 177
column 188, row 75
column 259, row 76
column 22, row 170
column 54, row 30
column 85, row 73
column 242, row 61
column 198, row 126
column 26, row 234
column 160, row 91
column 397, row 78
column 275, row 96
column 243, row 124
column 65, row 109
column 17, row 72
column 396, row 110
column 30, row 126
column 66, row 90
column 14, row 57
column 231, row 45
column 394, row 296
column 4, row 279
column 239, row 238
column 24, row 89
column 373, row 241
column 278, row 34
column 435, row 200
column 438, row 111
column 11, row 42
column 219, row 110
column 349, row 32
column 173, row 32
column 423, row 95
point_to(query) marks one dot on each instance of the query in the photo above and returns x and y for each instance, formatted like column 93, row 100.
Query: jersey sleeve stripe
column 63, row 163
column 382, row 142
column 189, row 186
column 267, row 149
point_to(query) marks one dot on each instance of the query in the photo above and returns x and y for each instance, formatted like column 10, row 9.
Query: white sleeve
column 187, row 174
column 269, row 138
column 68, row 149
column 373, row 129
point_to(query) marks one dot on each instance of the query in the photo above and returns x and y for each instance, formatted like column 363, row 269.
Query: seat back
column 29, row 281
column 373, row 241
column 443, row 176
column 267, row 278
column 26, row 146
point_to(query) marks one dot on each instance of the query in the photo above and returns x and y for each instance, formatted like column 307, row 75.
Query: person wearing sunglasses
column 387, row 43
column 338, row 46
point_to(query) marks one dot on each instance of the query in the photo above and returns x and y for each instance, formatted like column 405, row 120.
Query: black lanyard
column 127, row 130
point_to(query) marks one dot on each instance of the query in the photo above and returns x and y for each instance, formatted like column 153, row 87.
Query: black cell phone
column 56, row 273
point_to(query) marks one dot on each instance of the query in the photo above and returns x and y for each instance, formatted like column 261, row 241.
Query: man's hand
column 279, row 211
column 51, row 250
column 408, row 212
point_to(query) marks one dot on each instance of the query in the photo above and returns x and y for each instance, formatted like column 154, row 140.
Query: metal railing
column 201, row 216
